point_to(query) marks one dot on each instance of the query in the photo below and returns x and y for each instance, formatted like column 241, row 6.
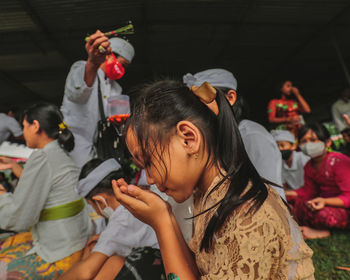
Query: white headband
column 216, row 77
column 283, row 135
column 87, row 184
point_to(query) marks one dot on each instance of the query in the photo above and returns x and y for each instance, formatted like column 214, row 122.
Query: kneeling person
column 104, row 254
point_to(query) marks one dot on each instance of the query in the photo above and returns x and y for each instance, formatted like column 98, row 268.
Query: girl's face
column 286, row 89
column 30, row 133
column 309, row 136
column 172, row 168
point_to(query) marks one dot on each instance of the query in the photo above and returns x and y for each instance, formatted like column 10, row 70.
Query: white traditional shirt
column 48, row 179
column 8, row 126
column 294, row 175
column 81, row 111
column 263, row 152
column 339, row 108
column 123, row 233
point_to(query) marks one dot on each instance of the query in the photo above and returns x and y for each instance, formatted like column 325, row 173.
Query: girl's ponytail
column 65, row 137
column 233, row 158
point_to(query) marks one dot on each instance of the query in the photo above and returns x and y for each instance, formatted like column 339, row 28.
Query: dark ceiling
column 261, row 42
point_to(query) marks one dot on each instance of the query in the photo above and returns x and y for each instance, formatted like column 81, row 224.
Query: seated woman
column 104, row 254
column 188, row 142
column 286, row 112
column 324, row 200
column 44, row 202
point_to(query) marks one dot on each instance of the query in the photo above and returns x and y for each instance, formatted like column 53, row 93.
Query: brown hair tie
column 207, row 94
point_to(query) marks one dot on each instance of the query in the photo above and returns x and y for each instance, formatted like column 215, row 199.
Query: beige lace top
column 264, row 245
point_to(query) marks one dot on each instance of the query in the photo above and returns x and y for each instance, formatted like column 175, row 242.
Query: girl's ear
column 190, row 137
column 231, row 96
column 36, row 126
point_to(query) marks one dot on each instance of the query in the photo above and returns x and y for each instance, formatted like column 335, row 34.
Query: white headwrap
column 216, row 77
column 122, row 47
column 283, row 135
column 87, row 184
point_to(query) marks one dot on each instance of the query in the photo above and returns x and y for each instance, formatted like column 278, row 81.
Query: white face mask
column 313, row 149
column 107, row 212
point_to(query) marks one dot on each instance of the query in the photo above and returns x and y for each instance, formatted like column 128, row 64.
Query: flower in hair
column 63, row 125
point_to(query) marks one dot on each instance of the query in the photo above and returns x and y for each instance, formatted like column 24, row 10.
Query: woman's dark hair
column 49, row 118
column 346, row 131
column 105, row 185
column 319, row 129
column 155, row 114
column 240, row 108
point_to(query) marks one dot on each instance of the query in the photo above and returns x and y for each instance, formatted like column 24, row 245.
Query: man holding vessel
column 107, row 59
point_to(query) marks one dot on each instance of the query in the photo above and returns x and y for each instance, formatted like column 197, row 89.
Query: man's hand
column 97, row 48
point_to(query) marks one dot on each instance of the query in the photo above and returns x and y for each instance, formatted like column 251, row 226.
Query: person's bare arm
column 291, row 193
column 110, row 268
column 319, row 203
column 7, row 163
column 86, row 269
column 305, row 108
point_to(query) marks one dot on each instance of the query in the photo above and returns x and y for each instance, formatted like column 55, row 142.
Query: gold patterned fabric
column 264, row 245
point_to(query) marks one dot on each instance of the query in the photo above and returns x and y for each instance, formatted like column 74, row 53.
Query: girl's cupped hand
column 143, row 204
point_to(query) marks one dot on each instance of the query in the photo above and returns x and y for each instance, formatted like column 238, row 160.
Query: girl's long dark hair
column 49, row 118
column 155, row 114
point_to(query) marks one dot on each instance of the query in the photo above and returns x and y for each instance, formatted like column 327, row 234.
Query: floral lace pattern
column 250, row 246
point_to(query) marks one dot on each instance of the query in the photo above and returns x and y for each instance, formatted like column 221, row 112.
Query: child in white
column 293, row 161
column 123, row 232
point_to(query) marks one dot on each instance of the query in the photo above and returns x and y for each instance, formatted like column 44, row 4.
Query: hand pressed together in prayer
column 316, row 204
column 143, row 204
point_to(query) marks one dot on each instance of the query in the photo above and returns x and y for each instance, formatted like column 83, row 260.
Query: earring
column 196, row 156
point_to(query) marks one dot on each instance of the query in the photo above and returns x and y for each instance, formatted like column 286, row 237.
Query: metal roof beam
column 44, row 29
column 10, row 80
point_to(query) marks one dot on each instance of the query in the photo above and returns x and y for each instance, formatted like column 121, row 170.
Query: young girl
column 287, row 111
column 188, row 142
column 44, row 202
column 323, row 203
